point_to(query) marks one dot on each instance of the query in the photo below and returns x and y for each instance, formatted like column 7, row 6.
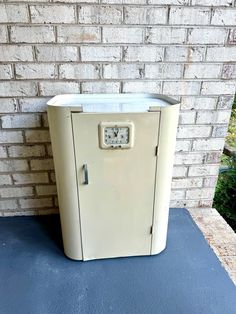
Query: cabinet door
column 116, row 202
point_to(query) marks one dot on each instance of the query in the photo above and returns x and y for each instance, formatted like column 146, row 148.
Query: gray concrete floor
column 36, row 277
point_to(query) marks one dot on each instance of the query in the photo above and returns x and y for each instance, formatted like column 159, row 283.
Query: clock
column 116, row 135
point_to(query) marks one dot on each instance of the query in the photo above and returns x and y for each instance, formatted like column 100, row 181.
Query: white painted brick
column 163, row 71
column 78, row 34
column 184, row 54
column 189, row 16
column 21, row 121
column 3, row 152
column 169, row 2
column 223, row 17
column 100, row 14
column 143, row 53
column 207, row 103
column 142, row 15
column 225, row 102
column 5, row 72
column 208, row 144
column 220, row 131
column 3, row 34
column 124, row 1
column 203, row 170
column 182, row 145
column 213, row 157
column 221, row 54
column 5, row 179
column 232, row 36
column 26, row 151
column 192, row 131
column 210, row 182
column 52, row 14
column 8, row 205
column 177, row 195
column 52, row 177
column 11, row 137
column 183, row 183
column 122, row 35
column 13, row 165
column 101, row 87
column 132, row 2
column 41, row 164
column 20, row 212
column 14, row 88
column 38, row 104
column 13, row 13
column 49, row 149
column 35, row 203
column 45, row 120
column 184, row 203
column 216, row 88
column 15, row 53
column 202, row 70
column 166, row 35
column 46, row 190
column 37, row 136
column 181, row 88
column 207, row 35
column 76, row 1
column 29, row 178
column 229, row 71
column 142, row 87
column 79, row 71
column 122, row 71
column 212, row 117
column 56, row 53
column 29, row 0
column 200, row 193
column 179, row 171
column 188, row 159
column 35, row 71
column 212, row 2
column 50, row 211
column 100, row 53
column 187, row 117
column 16, row 192
column 32, row 34
column 54, row 88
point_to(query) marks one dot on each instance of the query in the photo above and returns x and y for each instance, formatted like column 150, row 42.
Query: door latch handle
column 85, row 168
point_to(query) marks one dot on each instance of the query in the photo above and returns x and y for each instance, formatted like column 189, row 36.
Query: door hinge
column 156, row 150
column 151, row 229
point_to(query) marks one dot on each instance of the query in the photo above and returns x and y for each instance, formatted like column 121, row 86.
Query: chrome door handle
column 85, row 168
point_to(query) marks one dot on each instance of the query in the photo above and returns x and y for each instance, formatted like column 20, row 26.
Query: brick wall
column 183, row 48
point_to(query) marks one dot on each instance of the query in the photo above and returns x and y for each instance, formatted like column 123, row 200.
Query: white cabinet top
column 111, row 102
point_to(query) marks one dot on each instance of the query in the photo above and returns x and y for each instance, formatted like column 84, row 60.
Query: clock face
column 116, row 135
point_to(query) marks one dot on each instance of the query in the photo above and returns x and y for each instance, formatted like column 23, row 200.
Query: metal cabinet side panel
column 64, row 161
column 166, row 150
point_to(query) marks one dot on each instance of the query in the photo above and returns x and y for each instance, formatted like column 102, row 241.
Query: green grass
column 231, row 137
column 225, row 195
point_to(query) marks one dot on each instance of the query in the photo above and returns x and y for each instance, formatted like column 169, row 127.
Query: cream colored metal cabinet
column 113, row 158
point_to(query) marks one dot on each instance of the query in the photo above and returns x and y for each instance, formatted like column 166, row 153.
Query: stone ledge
column 219, row 235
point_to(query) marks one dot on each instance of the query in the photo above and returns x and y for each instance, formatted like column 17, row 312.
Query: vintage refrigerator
column 113, row 157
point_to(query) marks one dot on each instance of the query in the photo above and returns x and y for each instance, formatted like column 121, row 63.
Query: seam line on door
column 154, row 192
column 77, row 183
